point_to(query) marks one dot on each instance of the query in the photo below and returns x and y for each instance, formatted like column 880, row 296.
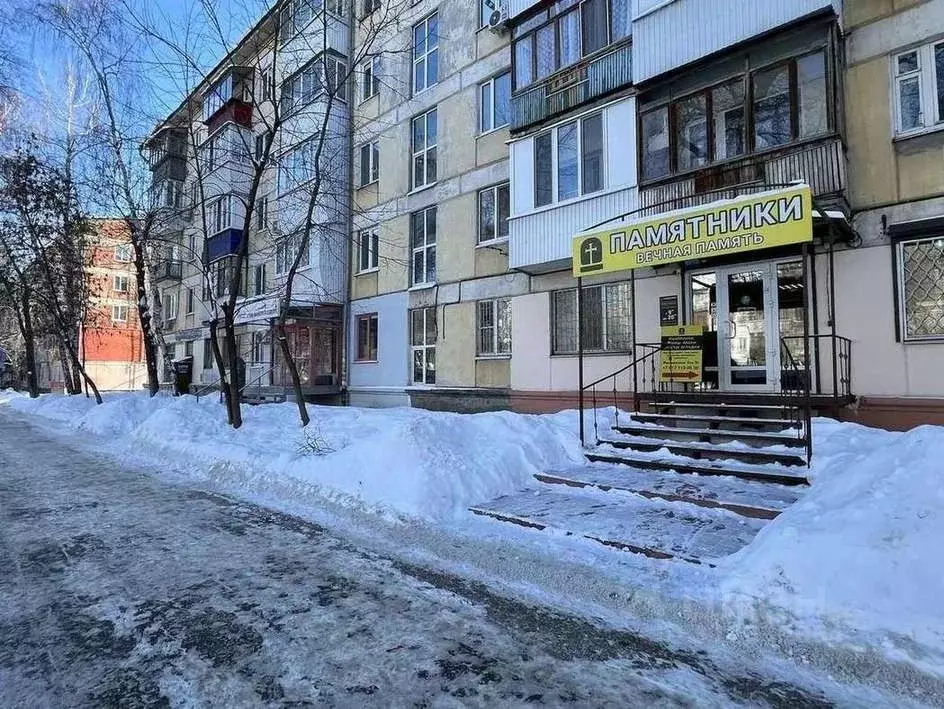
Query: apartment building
column 430, row 321
column 111, row 342
column 891, row 287
column 281, row 93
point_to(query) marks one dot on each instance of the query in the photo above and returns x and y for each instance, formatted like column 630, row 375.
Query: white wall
column 393, row 348
column 544, row 234
column 668, row 34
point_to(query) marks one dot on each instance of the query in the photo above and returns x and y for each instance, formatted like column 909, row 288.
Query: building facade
column 430, row 320
column 111, row 342
column 254, row 137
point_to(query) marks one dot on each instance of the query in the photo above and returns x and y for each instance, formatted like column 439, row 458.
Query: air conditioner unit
column 498, row 20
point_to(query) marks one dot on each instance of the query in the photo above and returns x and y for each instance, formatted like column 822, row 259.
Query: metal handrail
column 636, row 361
column 265, row 373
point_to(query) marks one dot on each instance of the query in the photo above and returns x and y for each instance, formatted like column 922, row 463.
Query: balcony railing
column 821, row 164
column 226, row 243
column 570, row 87
column 168, row 270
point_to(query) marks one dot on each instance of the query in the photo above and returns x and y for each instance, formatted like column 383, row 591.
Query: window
column 260, row 146
column 370, row 163
column 301, row 88
column 120, row 284
column 336, row 76
column 262, row 212
column 370, row 78
column 191, row 298
column 423, row 246
column 423, row 142
column 167, row 193
column 171, row 306
column 370, row 6
column 296, row 14
column 423, row 335
column 368, row 245
column 921, row 288
column 426, row 53
column 606, row 322
column 335, row 7
column 367, row 338
column 297, row 166
column 265, row 84
column 494, row 327
column 259, row 279
column 258, row 345
column 919, row 88
column 221, row 214
column 495, row 103
column 559, row 36
column 217, row 96
column 124, row 253
column 568, row 160
column 207, row 354
column 285, row 252
column 225, row 277
column 228, row 143
column 494, row 208
column 188, row 348
column 789, row 103
column 119, row 313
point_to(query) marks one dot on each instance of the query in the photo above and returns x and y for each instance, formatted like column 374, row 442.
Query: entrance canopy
column 758, row 221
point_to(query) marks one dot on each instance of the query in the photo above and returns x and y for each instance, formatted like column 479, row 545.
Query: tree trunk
column 144, row 316
column 29, row 340
column 82, row 374
column 67, row 380
column 293, row 371
column 234, row 395
column 220, row 368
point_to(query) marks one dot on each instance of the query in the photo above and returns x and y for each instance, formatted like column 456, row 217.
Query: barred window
column 494, row 327
column 921, row 288
column 606, row 323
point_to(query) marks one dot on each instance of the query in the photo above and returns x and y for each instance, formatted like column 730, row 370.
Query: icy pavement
column 120, row 589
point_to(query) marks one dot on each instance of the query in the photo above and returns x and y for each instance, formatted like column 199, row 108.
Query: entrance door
column 748, row 328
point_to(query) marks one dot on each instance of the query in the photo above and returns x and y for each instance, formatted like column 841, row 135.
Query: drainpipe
column 349, row 219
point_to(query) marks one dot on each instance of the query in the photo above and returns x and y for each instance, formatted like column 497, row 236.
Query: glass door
column 747, row 328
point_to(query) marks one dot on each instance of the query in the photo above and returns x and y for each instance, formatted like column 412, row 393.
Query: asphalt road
column 121, row 589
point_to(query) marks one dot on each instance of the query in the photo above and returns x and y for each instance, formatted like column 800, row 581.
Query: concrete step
column 641, row 461
column 656, row 529
column 708, row 435
column 706, row 451
column 748, row 498
column 721, row 422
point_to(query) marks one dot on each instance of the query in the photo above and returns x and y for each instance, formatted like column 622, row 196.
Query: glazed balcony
column 168, row 270
column 588, row 79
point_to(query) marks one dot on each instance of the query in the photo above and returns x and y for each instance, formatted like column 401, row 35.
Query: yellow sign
column 757, row 221
column 681, row 353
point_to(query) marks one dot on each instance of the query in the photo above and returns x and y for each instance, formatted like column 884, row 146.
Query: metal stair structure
column 693, row 481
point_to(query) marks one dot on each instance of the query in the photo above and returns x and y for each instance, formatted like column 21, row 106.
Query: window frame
column 489, row 86
column 122, row 249
column 370, row 78
column 424, row 151
column 262, row 212
column 605, row 324
column 496, row 341
column 259, row 285
column 901, row 296
column 425, row 347
column 171, row 305
column 191, row 301
column 372, row 251
column 285, row 250
column 750, row 124
column 372, row 321
column 554, row 132
column 116, row 279
column 930, row 102
column 426, row 246
column 372, row 148
column 116, row 311
column 423, row 58
column 497, row 237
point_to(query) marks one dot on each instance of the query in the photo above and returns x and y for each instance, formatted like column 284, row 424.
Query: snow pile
column 430, row 465
column 860, row 555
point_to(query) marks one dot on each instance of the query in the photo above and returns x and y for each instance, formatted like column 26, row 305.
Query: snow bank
column 860, row 555
column 424, row 464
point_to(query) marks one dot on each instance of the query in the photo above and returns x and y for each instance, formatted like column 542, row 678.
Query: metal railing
column 839, row 356
column 169, row 270
column 572, row 86
column 821, row 164
column 644, row 372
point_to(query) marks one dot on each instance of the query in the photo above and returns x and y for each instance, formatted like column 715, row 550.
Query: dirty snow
column 854, row 566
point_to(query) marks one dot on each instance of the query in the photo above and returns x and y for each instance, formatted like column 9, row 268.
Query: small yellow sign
column 681, row 356
column 757, row 221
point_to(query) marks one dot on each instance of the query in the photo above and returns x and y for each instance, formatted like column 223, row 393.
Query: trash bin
column 183, row 376
column 240, row 378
